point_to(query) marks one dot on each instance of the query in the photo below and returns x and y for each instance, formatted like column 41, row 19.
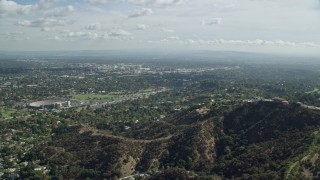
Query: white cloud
column 43, row 22
column 94, row 26
column 13, row 8
column 310, row 44
column 170, row 39
column 24, row 23
column 15, row 35
column 166, row 3
column 61, row 11
column 100, row 1
column 45, row 29
column 81, row 35
column 141, row 27
column 120, row 32
column 45, row 4
column 142, row 12
column 214, row 21
column 149, row 3
column 158, row 3
column 246, row 24
column 174, row 38
column 258, row 43
column 224, row 7
column 87, row 35
column 168, row 30
column 104, row 36
column 56, row 38
column 190, row 41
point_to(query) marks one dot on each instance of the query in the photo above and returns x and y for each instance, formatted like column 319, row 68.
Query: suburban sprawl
column 138, row 104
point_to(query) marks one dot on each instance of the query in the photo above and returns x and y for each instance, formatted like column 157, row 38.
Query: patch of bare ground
column 128, row 166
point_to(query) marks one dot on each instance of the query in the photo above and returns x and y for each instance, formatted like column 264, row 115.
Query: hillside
column 82, row 151
column 263, row 140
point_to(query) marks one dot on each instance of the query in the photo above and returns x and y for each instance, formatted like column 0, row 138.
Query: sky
column 268, row 26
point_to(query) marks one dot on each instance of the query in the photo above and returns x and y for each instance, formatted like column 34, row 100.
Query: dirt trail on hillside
column 96, row 132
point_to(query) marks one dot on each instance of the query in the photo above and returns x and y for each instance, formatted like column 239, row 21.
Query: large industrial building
column 50, row 104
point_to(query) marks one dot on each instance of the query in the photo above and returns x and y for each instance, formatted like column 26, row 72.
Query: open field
column 110, row 95
column 6, row 112
column 315, row 90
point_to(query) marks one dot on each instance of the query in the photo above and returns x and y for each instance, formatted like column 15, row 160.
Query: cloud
column 61, row 11
column 94, row 26
column 168, row 30
column 15, row 36
column 104, row 36
column 24, row 23
column 45, row 29
column 165, row 3
column 190, row 41
column 171, row 38
column 141, row 27
column 221, row 7
column 13, row 8
column 9, row 8
column 149, row 3
column 43, row 22
column 142, row 12
column 310, row 44
column 158, row 3
column 214, row 21
column 12, row 34
column 99, row 1
column 81, row 35
column 75, row 35
column 119, row 32
column 87, row 35
column 174, row 38
column 233, row 23
column 259, row 43
column 45, row 4
column 56, row 38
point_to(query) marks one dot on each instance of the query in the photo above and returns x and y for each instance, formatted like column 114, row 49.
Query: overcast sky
column 287, row 26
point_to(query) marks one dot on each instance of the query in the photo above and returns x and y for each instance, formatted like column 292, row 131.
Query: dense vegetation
column 256, row 141
column 159, row 120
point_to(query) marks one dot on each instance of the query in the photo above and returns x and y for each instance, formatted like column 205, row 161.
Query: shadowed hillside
column 260, row 140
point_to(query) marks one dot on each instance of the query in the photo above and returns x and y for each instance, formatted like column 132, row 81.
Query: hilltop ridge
column 256, row 140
